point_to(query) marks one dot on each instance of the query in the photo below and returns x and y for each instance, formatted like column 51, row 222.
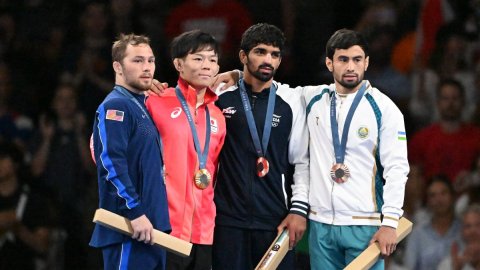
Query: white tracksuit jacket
column 376, row 154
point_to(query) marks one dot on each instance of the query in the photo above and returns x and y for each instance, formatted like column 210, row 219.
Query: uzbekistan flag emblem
column 402, row 136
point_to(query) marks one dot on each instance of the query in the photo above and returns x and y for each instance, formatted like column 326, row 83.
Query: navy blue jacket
column 243, row 199
column 129, row 165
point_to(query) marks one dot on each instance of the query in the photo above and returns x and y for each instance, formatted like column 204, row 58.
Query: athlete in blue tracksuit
column 127, row 151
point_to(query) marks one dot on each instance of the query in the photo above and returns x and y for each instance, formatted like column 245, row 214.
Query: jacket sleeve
column 393, row 157
column 298, row 154
column 114, row 125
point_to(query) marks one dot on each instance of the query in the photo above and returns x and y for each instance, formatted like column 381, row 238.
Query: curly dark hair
column 262, row 33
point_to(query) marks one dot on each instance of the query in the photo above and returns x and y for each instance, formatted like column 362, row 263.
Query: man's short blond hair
column 120, row 45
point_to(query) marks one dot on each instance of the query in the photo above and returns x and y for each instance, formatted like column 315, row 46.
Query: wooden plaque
column 370, row 255
column 122, row 225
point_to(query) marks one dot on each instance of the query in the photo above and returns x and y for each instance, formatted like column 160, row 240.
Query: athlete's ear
column 367, row 61
column 243, row 57
column 117, row 67
column 178, row 63
column 329, row 64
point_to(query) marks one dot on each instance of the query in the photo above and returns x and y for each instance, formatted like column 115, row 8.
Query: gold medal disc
column 202, row 178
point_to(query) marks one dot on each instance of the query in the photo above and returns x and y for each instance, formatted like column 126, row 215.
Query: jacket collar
column 191, row 94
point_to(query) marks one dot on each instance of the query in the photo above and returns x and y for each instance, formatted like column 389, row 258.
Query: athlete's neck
column 131, row 89
column 201, row 96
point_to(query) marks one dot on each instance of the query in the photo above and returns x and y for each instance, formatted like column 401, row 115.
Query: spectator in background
column 63, row 165
column 381, row 73
column 87, row 62
column 468, row 187
column 450, row 59
column 25, row 218
column 124, row 16
column 14, row 127
column 465, row 255
column 429, row 243
column 224, row 19
column 449, row 145
column 377, row 14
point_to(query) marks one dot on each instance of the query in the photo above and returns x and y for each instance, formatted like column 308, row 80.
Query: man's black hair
column 191, row 42
column 262, row 33
column 344, row 39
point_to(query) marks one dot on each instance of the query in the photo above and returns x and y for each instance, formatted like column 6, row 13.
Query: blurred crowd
column 55, row 68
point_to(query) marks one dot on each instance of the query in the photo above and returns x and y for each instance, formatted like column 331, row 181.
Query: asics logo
column 176, row 112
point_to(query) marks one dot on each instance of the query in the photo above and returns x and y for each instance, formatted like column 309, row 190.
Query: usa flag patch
column 115, row 115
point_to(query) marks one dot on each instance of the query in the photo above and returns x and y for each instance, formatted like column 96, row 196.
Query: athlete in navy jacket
column 257, row 190
column 127, row 150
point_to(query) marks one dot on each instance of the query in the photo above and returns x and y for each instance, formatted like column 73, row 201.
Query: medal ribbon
column 337, row 146
column 261, row 149
column 127, row 93
column 202, row 156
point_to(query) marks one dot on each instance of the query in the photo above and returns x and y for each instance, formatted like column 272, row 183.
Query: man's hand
column 387, row 240
column 296, row 226
column 157, row 88
column 224, row 80
column 142, row 230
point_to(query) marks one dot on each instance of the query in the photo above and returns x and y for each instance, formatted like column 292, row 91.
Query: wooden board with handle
column 370, row 255
column 275, row 253
column 122, row 225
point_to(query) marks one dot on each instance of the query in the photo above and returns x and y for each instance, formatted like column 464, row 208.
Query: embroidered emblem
column 276, row 120
column 228, row 112
column 362, row 132
column 402, row 136
column 114, row 115
column 214, row 125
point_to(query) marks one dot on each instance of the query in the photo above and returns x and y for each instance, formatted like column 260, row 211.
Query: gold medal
column 202, row 178
column 262, row 166
column 340, row 173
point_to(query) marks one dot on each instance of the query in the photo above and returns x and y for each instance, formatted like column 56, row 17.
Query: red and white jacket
column 192, row 210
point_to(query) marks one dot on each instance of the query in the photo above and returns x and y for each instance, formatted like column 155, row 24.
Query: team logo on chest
column 176, row 112
column 362, row 132
column 229, row 111
column 276, row 120
column 214, row 125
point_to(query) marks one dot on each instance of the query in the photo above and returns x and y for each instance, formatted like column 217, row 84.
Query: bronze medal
column 202, row 178
column 340, row 173
column 262, row 166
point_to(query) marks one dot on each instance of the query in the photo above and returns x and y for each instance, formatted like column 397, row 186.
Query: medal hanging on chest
column 340, row 172
column 262, row 166
column 202, row 177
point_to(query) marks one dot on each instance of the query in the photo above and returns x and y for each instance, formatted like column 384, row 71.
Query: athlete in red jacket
column 193, row 132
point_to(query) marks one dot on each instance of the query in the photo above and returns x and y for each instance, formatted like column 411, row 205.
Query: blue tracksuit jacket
column 129, row 165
